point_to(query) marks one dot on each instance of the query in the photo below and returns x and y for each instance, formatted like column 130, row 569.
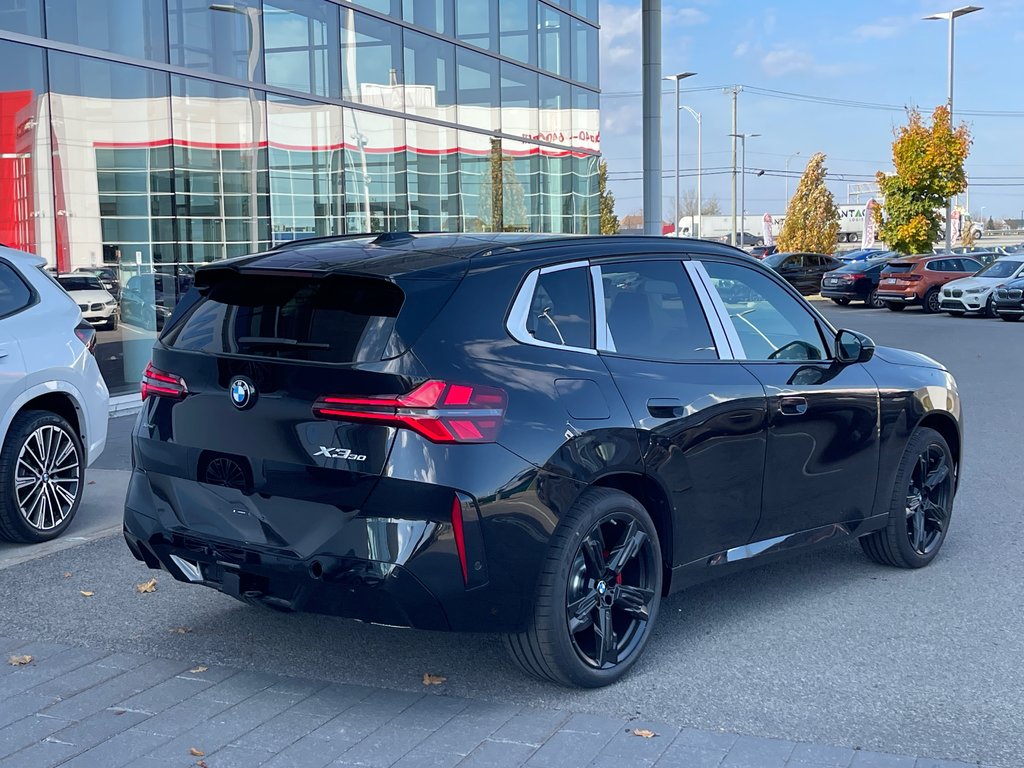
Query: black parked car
column 856, row 281
column 802, row 270
column 1008, row 300
column 536, row 436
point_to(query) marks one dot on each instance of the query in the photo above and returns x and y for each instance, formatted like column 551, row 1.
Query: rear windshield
column 898, row 266
column 80, row 283
column 335, row 319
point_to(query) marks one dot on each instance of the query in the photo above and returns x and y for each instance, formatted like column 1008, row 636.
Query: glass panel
column 480, row 160
column 26, row 196
column 222, row 38
column 376, row 198
column 520, row 174
column 372, row 60
column 586, row 120
column 301, row 45
column 561, row 311
column 15, row 295
column 436, row 15
column 24, row 16
column 387, row 7
column 433, row 165
column 476, row 22
column 306, row 166
column 106, row 116
column 479, row 90
column 586, row 210
column 555, row 119
column 585, row 8
column 556, row 191
column 653, row 313
column 771, row 324
column 429, row 76
column 517, row 19
column 553, row 29
column 584, row 53
column 518, row 101
column 220, row 149
column 136, row 28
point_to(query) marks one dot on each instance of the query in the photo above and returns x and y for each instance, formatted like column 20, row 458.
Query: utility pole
column 735, row 90
column 650, row 48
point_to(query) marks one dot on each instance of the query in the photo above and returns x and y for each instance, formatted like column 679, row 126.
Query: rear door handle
column 793, row 406
column 665, row 407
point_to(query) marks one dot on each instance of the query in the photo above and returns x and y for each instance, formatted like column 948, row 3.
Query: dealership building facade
column 152, row 136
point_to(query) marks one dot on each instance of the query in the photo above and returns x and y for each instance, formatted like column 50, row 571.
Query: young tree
column 609, row 222
column 688, row 205
column 929, row 163
column 812, row 219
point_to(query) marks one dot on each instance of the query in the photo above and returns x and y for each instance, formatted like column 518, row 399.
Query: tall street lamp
column 743, row 181
column 678, row 78
column 700, row 199
column 951, row 17
column 787, row 177
column 252, row 15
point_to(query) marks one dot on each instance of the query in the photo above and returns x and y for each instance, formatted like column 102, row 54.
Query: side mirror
column 853, row 347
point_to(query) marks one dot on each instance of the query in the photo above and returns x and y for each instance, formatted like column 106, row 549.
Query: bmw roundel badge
column 242, row 392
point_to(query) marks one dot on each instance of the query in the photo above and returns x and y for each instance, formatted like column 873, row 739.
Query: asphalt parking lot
column 825, row 648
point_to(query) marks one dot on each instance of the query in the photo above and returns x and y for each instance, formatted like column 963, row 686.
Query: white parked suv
column 975, row 293
column 53, row 402
column 98, row 305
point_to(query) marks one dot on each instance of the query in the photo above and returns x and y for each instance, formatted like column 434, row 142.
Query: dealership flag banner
column 869, row 223
column 769, row 238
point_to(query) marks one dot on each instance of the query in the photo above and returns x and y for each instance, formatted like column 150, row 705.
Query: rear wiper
column 274, row 341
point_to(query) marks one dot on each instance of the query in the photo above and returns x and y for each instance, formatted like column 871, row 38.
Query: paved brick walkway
column 79, row 707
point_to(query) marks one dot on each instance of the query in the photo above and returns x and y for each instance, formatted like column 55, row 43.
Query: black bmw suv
column 530, row 435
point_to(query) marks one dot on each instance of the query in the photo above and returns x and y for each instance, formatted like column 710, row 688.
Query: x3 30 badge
column 339, row 453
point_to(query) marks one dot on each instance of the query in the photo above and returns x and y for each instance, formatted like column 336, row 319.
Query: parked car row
column 145, row 301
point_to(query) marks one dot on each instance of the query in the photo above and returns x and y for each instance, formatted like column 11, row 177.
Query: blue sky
column 868, row 51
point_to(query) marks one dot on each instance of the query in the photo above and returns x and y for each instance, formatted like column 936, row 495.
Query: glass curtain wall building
column 152, row 136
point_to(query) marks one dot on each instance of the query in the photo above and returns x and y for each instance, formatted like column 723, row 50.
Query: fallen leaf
column 86, row 593
column 146, row 586
column 181, row 630
column 201, row 764
column 196, row 752
column 429, row 679
column 19, row 661
column 643, row 733
column 119, row 712
column 200, row 668
column 91, row 482
column 67, row 574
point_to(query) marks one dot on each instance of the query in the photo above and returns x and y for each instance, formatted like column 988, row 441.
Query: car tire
column 921, row 505
column 1010, row 318
column 931, row 303
column 112, row 323
column 990, row 308
column 873, row 301
column 841, row 302
column 579, row 571
column 42, row 477
column 892, row 306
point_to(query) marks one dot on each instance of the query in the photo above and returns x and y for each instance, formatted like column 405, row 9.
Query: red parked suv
column 918, row 279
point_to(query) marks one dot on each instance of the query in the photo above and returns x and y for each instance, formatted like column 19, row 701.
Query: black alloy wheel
column 598, row 594
column 921, row 505
column 932, row 302
column 873, row 301
column 990, row 307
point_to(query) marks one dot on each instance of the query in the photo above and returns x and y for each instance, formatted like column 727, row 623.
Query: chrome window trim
column 706, row 296
column 520, row 311
column 721, row 312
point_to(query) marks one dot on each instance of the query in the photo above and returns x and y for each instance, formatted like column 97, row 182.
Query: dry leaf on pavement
column 86, row 593
column 180, row 630
column 643, row 733
column 146, row 586
column 201, row 764
column 200, row 668
column 19, row 661
column 196, row 752
column 67, row 574
column 429, row 679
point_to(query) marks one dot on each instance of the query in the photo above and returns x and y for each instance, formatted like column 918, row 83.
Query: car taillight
column 87, row 335
column 441, row 412
column 857, row 276
column 157, row 383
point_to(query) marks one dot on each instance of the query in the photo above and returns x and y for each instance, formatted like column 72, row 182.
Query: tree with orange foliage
column 929, row 163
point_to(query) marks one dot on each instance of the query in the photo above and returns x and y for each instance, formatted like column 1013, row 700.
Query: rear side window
column 335, row 319
column 943, row 265
column 561, row 311
column 14, row 294
column 653, row 312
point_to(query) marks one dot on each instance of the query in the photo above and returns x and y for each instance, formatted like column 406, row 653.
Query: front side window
column 14, row 294
column 770, row 323
column 561, row 310
column 653, row 312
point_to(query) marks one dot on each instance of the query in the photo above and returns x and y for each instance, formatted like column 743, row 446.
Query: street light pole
column 700, row 171
column 787, row 177
column 743, row 182
column 677, row 78
column 951, row 17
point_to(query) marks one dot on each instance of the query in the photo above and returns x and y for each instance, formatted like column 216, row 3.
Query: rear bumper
column 899, row 298
column 840, row 293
